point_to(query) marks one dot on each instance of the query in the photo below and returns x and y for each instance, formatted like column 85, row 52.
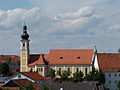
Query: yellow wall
column 23, row 61
column 72, row 69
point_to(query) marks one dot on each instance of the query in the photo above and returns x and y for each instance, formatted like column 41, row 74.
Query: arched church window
column 85, row 71
column 23, row 45
column 77, row 69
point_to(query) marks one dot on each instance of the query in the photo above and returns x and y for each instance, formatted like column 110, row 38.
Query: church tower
column 24, row 53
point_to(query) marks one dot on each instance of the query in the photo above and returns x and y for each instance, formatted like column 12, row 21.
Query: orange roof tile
column 25, row 82
column 34, row 76
column 10, row 57
column 70, row 56
column 109, row 62
column 64, row 57
column 2, row 61
column 37, row 60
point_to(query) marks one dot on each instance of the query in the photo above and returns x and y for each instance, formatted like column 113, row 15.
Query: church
column 73, row 60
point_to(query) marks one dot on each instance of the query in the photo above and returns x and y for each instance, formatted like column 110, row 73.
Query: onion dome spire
column 25, row 35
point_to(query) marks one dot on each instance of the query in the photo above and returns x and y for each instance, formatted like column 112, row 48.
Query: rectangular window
column 109, row 75
column 41, row 69
column 109, row 82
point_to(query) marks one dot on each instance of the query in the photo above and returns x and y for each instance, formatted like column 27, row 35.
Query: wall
column 111, row 79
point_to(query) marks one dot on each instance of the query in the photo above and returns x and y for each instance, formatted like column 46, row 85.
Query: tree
column 64, row 75
column 51, row 73
column 118, row 85
column 29, row 87
column 95, row 75
column 78, row 76
column 4, row 69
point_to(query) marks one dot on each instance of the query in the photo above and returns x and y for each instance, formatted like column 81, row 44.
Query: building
column 20, row 84
column 13, row 61
column 89, row 85
column 109, row 63
column 2, row 80
column 73, row 60
column 31, row 76
column 8, row 58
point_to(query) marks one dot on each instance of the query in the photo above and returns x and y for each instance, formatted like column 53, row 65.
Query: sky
column 60, row 24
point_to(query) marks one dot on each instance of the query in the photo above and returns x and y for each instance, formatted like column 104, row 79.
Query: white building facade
column 109, row 63
column 111, row 80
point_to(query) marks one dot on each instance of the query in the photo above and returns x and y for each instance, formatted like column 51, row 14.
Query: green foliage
column 51, row 73
column 14, row 63
column 4, row 69
column 4, row 89
column 95, row 75
column 59, row 73
column 64, row 75
column 78, row 76
column 29, row 87
column 118, row 85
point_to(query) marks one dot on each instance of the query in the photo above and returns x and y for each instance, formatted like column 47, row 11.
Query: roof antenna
column 95, row 50
column 95, row 47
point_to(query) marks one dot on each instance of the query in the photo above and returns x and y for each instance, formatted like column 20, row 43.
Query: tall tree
column 51, row 73
column 64, row 75
column 118, row 85
column 4, row 69
column 78, row 76
column 95, row 75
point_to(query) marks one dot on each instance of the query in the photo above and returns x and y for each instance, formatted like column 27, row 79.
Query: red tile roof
column 37, row 60
column 9, row 57
column 109, row 62
column 10, row 88
column 34, row 76
column 25, row 82
column 2, row 61
column 64, row 57
column 70, row 56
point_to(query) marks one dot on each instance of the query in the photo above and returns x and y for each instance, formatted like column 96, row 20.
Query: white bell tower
column 24, row 53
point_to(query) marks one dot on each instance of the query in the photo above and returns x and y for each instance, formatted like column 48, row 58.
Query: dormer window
column 78, row 57
column 61, row 57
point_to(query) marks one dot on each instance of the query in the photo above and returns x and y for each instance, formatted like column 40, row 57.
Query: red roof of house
column 25, row 82
column 2, row 61
column 9, row 57
column 34, row 76
column 109, row 62
column 64, row 57
column 70, row 56
column 37, row 60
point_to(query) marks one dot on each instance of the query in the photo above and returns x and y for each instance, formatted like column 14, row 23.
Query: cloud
column 82, row 12
column 14, row 17
column 81, row 20
column 115, row 27
column 77, row 28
